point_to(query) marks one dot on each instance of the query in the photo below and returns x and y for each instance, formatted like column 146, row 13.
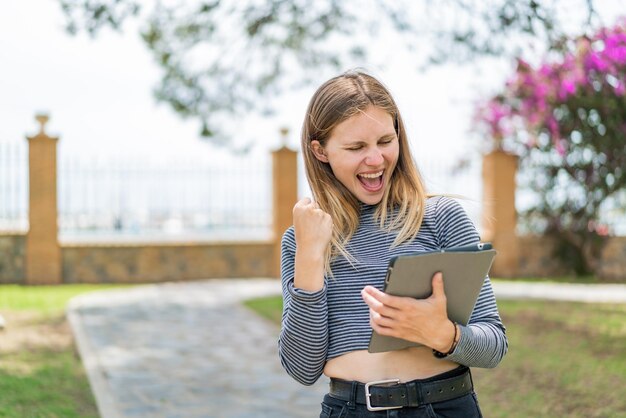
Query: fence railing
column 13, row 185
column 124, row 199
column 188, row 200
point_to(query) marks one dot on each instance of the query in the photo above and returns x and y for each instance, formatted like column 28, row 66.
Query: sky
column 98, row 93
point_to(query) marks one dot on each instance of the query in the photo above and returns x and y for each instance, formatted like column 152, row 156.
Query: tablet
column 464, row 270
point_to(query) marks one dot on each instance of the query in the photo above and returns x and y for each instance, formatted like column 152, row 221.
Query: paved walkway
column 604, row 293
column 190, row 350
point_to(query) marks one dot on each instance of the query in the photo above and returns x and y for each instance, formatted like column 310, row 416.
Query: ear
column 318, row 151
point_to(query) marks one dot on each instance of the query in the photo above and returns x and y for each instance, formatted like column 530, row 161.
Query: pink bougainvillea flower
column 566, row 89
column 595, row 62
column 545, row 70
column 541, row 100
column 617, row 54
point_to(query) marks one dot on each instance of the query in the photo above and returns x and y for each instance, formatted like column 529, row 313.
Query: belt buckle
column 368, row 395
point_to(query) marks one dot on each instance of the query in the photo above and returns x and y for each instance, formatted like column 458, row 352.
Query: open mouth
column 372, row 182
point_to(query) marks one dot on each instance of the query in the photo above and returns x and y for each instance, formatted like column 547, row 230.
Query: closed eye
column 382, row 141
column 387, row 139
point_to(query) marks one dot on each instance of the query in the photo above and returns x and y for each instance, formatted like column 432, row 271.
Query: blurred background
column 119, row 144
column 153, row 141
column 133, row 123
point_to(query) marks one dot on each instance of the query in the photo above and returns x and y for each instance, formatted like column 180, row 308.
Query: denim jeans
column 465, row 406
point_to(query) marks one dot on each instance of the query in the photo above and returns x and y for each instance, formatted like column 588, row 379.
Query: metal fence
column 178, row 200
column 13, row 186
column 130, row 200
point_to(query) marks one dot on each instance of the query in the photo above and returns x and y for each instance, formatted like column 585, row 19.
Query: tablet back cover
column 463, row 277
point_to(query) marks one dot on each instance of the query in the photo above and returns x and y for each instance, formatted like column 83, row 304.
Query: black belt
column 398, row 395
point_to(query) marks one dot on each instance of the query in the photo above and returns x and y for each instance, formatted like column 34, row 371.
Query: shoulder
column 451, row 223
column 438, row 206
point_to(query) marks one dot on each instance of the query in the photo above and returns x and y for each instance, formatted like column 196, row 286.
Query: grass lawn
column 555, row 279
column 565, row 360
column 40, row 372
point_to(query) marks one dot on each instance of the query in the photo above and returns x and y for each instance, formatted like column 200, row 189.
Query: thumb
column 438, row 291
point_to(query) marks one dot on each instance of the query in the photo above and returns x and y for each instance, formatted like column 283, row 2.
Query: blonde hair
column 335, row 101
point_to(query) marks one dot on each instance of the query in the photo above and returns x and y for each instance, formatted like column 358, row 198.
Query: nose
column 374, row 157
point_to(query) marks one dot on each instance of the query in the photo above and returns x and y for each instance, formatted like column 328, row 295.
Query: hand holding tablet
column 464, row 270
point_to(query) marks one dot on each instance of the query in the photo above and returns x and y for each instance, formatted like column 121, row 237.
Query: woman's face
column 362, row 152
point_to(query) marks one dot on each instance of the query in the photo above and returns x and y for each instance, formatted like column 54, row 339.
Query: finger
column 388, row 300
column 377, row 305
column 380, row 320
column 438, row 289
column 381, row 330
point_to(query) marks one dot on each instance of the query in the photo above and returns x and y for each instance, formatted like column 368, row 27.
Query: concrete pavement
column 191, row 350
column 186, row 350
column 603, row 293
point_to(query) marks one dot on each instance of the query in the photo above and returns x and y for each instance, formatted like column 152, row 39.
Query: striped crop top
column 318, row 326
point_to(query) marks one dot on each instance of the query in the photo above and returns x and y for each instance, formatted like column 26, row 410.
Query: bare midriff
column 406, row 365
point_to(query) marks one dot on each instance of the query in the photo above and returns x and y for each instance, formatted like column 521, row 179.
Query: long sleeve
column 483, row 341
column 303, row 340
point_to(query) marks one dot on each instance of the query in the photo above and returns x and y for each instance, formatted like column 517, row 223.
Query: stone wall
column 153, row 262
column 144, row 263
column 536, row 259
column 136, row 263
column 12, row 258
column 613, row 263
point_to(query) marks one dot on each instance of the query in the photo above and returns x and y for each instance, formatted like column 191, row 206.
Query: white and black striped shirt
column 319, row 326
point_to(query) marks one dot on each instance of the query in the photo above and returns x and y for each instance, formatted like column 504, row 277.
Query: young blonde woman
column 369, row 204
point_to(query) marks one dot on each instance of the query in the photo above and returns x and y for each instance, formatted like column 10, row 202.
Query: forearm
column 303, row 341
column 483, row 341
column 309, row 270
column 480, row 345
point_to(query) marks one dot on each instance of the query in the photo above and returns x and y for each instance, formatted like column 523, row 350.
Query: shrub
column 566, row 119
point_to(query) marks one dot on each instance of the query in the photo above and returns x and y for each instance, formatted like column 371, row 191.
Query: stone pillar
column 285, row 194
column 499, row 215
column 43, row 253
